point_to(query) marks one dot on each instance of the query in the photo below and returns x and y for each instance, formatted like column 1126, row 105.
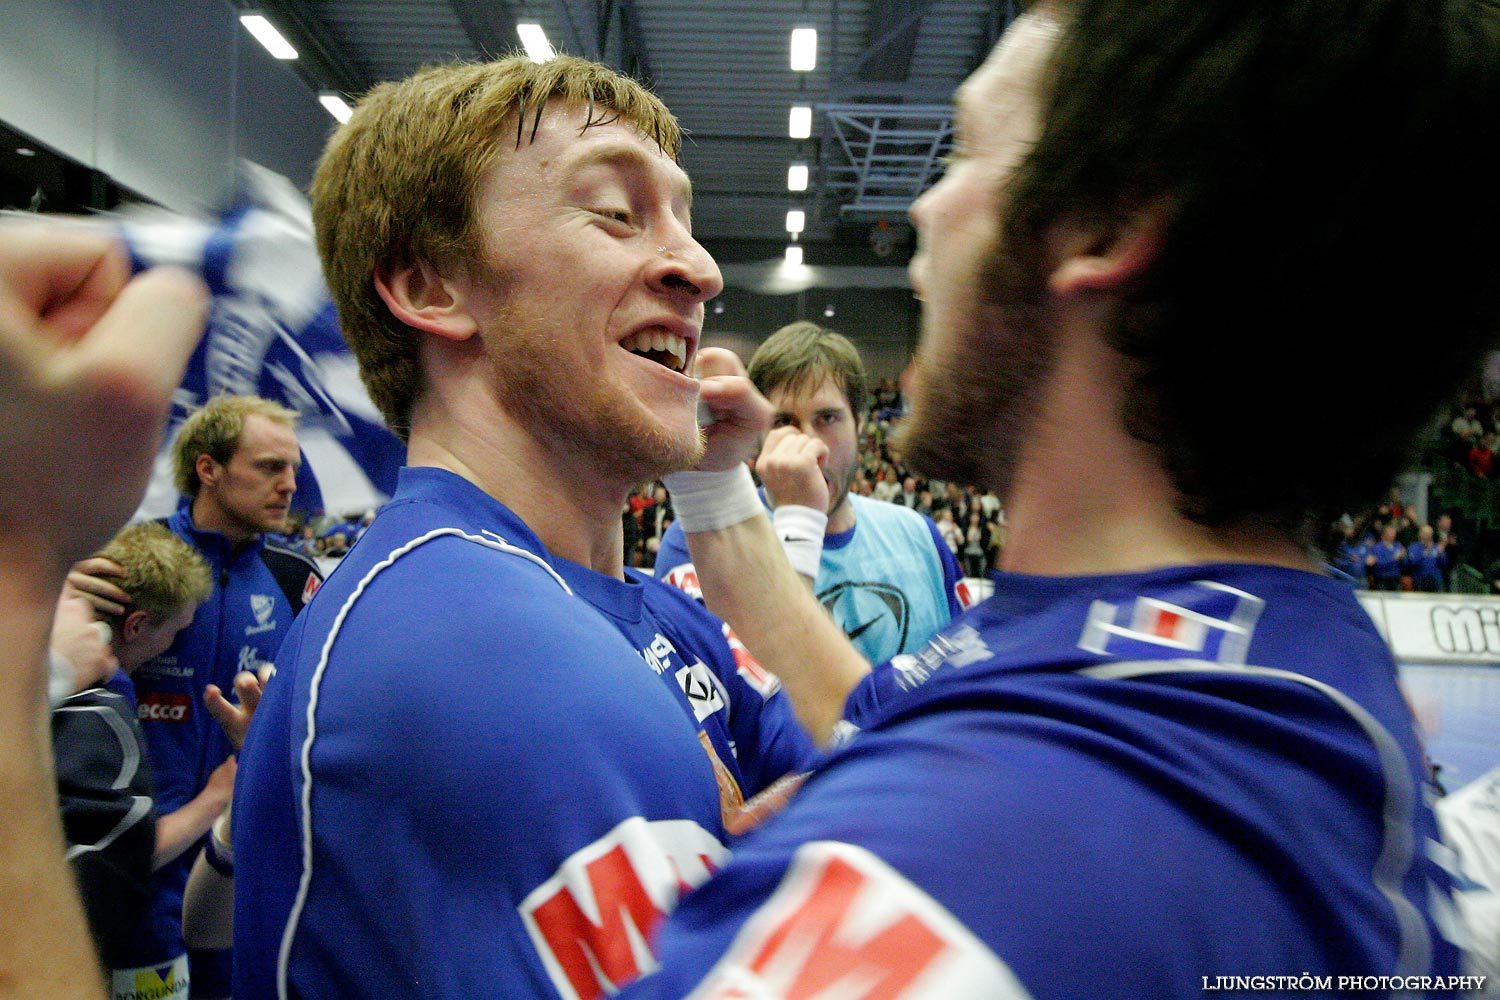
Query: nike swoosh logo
column 857, row 632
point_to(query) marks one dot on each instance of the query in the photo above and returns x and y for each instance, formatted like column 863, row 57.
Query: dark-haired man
column 1169, row 754
column 880, row 569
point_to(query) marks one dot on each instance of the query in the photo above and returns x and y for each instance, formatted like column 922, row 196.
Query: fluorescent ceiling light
column 796, row 177
column 804, row 49
column 535, row 40
column 265, row 33
column 796, row 220
column 336, row 105
column 794, row 256
column 801, row 121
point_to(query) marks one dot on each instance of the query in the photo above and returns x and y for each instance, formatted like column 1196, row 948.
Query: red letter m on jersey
column 592, row 923
column 844, row 924
column 812, row 948
column 580, row 944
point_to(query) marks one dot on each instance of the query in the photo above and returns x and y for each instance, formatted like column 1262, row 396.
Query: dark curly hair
column 1327, row 173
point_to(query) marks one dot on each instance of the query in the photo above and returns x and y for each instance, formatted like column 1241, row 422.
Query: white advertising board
column 1437, row 628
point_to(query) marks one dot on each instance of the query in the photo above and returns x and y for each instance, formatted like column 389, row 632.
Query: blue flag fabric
column 272, row 331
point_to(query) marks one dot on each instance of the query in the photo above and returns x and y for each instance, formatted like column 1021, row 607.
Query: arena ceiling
column 880, row 92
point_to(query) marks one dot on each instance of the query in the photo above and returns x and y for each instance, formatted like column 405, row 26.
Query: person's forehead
column 567, row 149
column 1010, row 73
column 819, row 395
column 261, row 433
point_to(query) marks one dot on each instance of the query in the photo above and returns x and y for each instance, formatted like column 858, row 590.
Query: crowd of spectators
column 1467, row 438
column 325, row 536
column 1392, row 548
column 971, row 521
column 1470, row 434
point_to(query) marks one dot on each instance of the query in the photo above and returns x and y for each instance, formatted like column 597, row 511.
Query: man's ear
column 207, row 469
column 1109, row 259
column 132, row 625
column 422, row 298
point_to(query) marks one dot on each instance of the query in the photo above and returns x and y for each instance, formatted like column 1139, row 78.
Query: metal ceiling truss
column 885, row 117
column 893, row 26
column 891, row 154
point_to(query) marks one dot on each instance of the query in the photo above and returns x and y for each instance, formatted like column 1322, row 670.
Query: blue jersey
column 467, row 779
column 1388, row 559
column 728, row 694
column 890, row 581
column 1114, row 786
column 258, row 589
column 1427, row 564
column 1349, row 559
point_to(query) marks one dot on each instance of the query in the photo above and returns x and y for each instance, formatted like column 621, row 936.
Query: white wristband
column 221, row 840
column 708, row 501
column 801, row 532
column 61, row 678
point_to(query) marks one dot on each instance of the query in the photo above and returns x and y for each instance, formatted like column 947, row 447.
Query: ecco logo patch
column 162, row 707
column 1205, row 618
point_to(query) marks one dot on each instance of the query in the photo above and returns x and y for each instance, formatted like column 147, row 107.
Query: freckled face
column 589, row 293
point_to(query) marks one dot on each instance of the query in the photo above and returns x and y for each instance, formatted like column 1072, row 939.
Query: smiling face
column 588, row 294
column 975, row 380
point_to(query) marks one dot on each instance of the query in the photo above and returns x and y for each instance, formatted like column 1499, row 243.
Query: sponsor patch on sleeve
column 754, row 674
column 593, row 921
column 685, row 579
column 310, row 587
column 844, row 923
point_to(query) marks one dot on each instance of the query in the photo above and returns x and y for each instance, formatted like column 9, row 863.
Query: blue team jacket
column 258, row 589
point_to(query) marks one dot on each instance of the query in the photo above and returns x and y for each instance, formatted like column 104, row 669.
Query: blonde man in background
column 235, row 461
column 115, row 838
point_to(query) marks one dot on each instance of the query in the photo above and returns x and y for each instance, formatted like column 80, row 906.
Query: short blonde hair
column 214, row 430
column 163, row 574
column 398, row 182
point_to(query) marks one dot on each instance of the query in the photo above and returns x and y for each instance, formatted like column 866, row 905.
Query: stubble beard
column 973, row 407
column 601, row 423
column 838, row 493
